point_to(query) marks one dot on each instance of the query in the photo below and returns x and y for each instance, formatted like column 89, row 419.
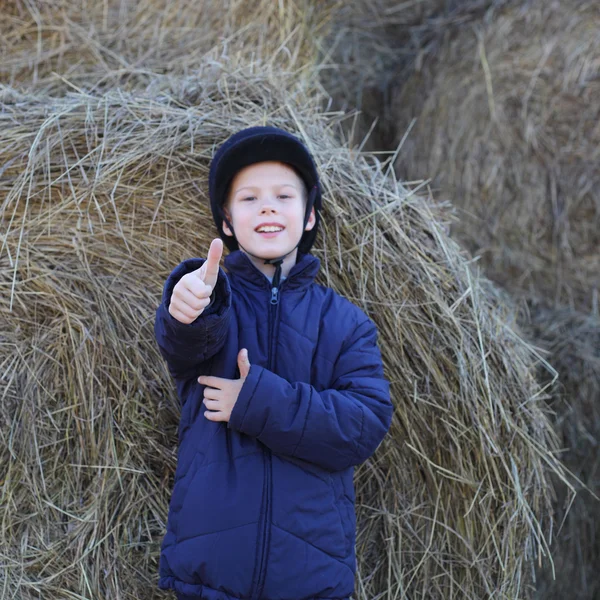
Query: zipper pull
column 274, row 295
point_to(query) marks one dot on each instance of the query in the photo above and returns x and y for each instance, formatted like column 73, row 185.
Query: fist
column 191, row 294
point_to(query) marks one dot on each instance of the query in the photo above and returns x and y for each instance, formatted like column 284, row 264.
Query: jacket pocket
column 221, row 495
column 304, row 505
column 191, row 456
column 216, row 526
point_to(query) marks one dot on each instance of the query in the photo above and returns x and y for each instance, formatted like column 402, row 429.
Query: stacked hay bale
column 101, row 196
column 573, row 341
column 504, row 120
column 507, row 125
column 376, row 44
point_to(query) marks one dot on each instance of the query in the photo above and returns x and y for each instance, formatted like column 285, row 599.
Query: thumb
column 211, row 272
column 243, row 363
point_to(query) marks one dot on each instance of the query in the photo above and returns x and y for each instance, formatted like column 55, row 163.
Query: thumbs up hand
column 209, row 271
column 220, row 394
column 191, row 294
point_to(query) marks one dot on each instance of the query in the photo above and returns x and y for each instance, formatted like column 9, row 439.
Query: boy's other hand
column 191, row 294
column 220, row 394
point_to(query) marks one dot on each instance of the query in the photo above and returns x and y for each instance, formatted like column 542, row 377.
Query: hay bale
column 358, row 47
column 507, row 125
column 59, row 45
column 99, row 198
column 572, row 340
column 375, row 44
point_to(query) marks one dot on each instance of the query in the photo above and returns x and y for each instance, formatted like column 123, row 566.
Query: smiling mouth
column 270, row 229
column 270, row 233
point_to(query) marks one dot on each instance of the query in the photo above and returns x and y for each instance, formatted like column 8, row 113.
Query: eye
column 248, row 198
column 284, row 196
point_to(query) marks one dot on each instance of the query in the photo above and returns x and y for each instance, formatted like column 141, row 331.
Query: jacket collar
column 301, row 275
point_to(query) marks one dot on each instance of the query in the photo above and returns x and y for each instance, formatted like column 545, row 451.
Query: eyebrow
column 244, row 188
column 251, row 187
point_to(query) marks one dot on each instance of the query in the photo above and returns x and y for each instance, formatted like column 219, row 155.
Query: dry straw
column 376, row 44
column 103, row 190
column 507, row 125
column 59, row 45
column 504, row 117
column 101, row 196
column 573, row 342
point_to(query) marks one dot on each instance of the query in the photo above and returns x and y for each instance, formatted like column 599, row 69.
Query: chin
column 268, row 250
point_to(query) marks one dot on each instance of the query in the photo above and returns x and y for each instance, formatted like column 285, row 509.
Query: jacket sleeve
column 186, row 346
column 334, row 428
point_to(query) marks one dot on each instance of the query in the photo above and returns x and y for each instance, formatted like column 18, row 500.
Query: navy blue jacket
column 262, row 507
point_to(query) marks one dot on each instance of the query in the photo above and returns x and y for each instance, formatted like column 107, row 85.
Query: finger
column 211, row 404
column 212, row 262
column 177, row 314
column 200, row 272
column 179, row 310
column 188, row 310
column 197, row 287
column 243, row 363
column 194, row 302
column 214, row 416
column 215, row 382
column 212, row 393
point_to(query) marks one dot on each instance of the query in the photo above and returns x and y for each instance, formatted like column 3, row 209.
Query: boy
column 262, row 506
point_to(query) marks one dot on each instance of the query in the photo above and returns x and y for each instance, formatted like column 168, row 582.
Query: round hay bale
column 100, row 197
column 507, row 126
column 573, row 342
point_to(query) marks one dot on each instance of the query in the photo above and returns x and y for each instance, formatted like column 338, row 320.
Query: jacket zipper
column 273, row 331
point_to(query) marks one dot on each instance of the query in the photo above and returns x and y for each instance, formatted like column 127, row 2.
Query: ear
column 312, row 219
column 226, row 229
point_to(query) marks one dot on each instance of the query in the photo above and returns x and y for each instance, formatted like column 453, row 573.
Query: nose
column 267, row 207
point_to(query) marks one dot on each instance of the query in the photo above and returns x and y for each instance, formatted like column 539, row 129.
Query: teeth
column 270, row 229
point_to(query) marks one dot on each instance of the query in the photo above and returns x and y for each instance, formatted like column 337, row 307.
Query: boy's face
column 267, row 192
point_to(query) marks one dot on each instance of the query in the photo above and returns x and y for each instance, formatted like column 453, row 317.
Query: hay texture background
column 60, row 46
column 507, row 125
column 573, row 341
column 376, row 45
column 103, row 192
column 503, row 116
column 101, row 197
